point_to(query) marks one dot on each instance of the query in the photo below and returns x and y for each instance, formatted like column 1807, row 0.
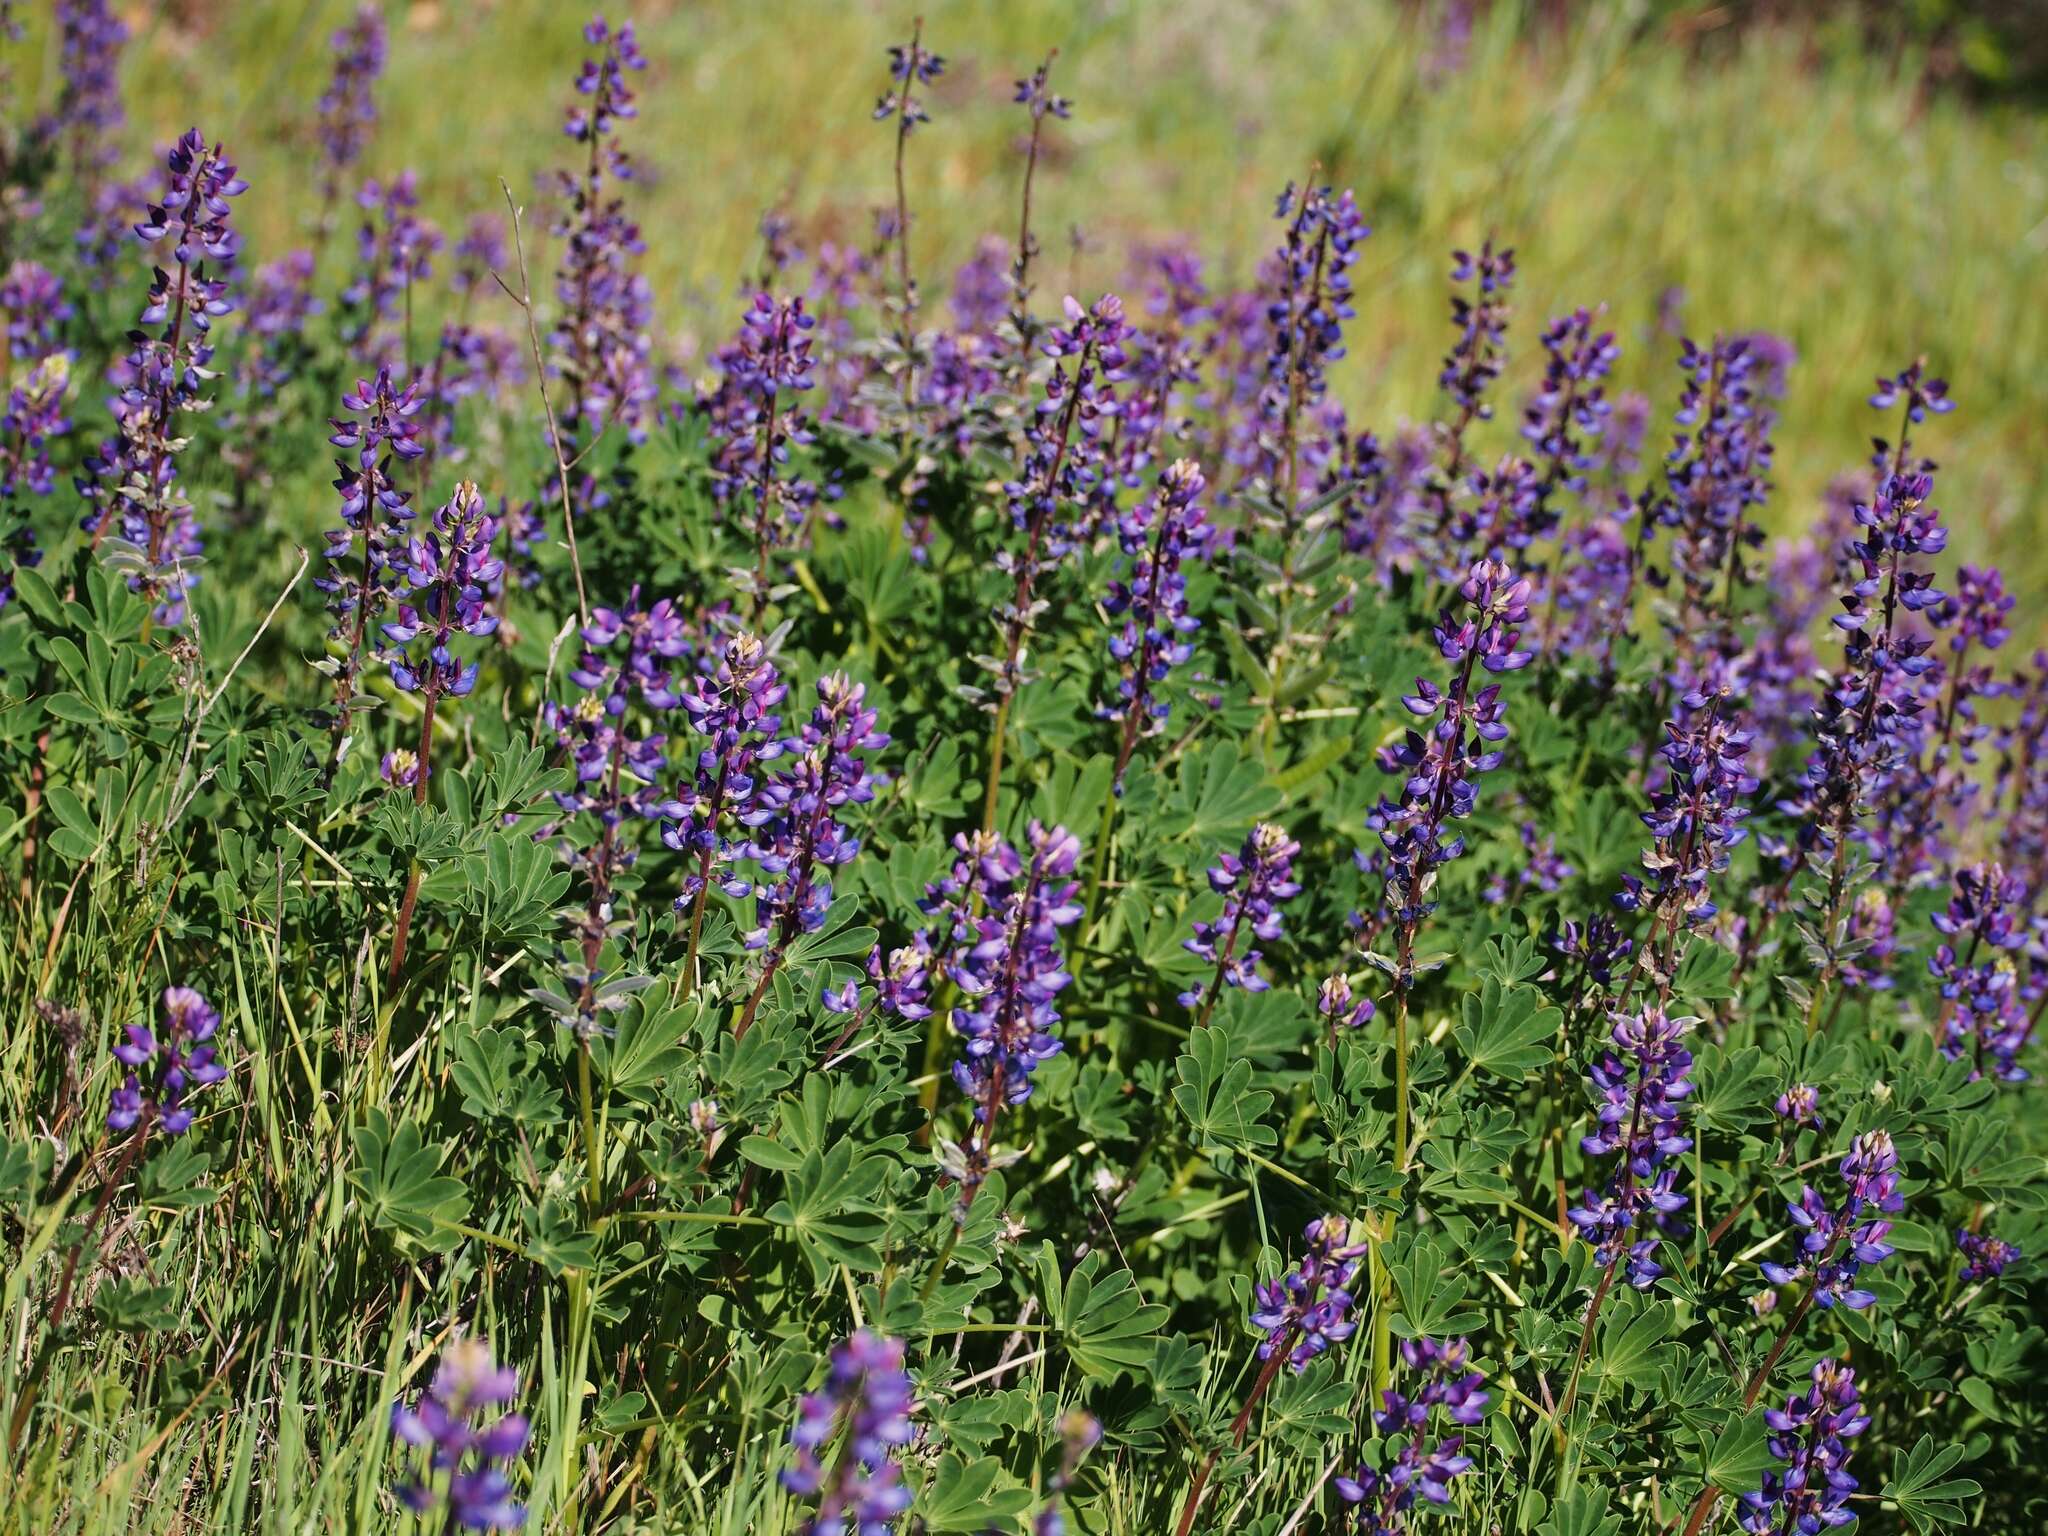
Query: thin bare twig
column 524, row 299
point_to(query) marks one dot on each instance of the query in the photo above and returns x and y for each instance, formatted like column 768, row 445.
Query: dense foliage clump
column 985, row 914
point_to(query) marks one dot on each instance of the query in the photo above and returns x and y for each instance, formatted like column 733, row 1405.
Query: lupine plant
column 743, row 909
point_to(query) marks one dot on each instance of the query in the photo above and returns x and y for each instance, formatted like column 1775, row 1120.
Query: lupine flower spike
column 468, row 1442
column 798, row 836
column 1011, row 972
column 1299, row 1314
column 1253, row 883
column 1811, row 1491
column 1642, row 1082
column 1158, row 535
column 1836, row 1242
column 847, row 1436
column 1383, row 1498
column 167, row 1063
column 132, row 482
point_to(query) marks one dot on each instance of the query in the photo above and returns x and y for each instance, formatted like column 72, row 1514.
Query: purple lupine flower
column 1981, row 1016
column 1010, row 973
column 733, row 707
column 979, row 296
column 469, row 1443
column 1869, row 942
column 1336, row 1002
column 1541, row 869
column 34, row 417
column 1563, row 424
column 625, row 665
column 35, row 309
column 1799, row 1106
column 281, row 302
column 1565, row 420
column 479, row 253
column 601, row 342
column 754, row 425
column 1475, row 361
column 1837, row 1242
column 1039, row 101
column 1714, row 474
column 166, row 1064
column 1306, row 288
column 1811, row 1492
column 2023, row 753
column 88, row 111
column 1063, row 466
column 1598, row 946
column 1782, row 661
column 365, row 551
column 395, row 250
column 903, row 981
column 863, row 1407
column 1379, row 486
column 1642, row 1082
column 470, row 362
column 1696, row 816
column 451, row 564
column 1985, row 1257
column 1927, row 799
column 131, row 482
column 348, row 107
column 1440, row 769
column 797, row 837
column 1867, row 714
column 1384, row 1497
column 910, row 65
column 624, row 671
column 1469, row 369
column 1307, row 1309
column 1253, row 883
column 1151, row 598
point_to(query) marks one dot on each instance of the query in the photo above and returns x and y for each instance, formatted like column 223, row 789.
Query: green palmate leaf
column 1507, row 1031
column 1216, row 1096
column 175, row 1176
column 829, row 1210
column 134, row 1305
column 555, row 1236
column 936, row 783
column 1582, row 1512
column 489, row 1069
column 1740, row 1456
column 1308, row 769
column 1309, row 1409
column 1921, row 1489
column 648, row 1045
column 1734, row 1090
column 1219, row 795
column 1706, row 973
column 1429, row 1293
column 1104, row 1323
column 973, row 1495
column 1629, row 1347
column 398, row 1180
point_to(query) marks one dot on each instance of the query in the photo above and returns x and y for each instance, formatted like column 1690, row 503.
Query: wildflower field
column 881, row 863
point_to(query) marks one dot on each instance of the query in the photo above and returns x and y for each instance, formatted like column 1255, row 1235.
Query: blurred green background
column 1868, row 195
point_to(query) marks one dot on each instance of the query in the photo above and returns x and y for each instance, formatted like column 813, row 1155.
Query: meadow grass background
column 1782, row 179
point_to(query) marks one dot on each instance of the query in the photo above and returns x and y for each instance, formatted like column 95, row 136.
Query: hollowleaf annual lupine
column 466, row 1440
column 446, row 568
column 131, row 484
